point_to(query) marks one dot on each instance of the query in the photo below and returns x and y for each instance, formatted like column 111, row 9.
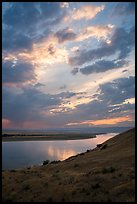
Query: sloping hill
column 105, row 174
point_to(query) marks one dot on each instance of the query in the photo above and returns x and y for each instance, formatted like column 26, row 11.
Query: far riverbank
column 47, row 137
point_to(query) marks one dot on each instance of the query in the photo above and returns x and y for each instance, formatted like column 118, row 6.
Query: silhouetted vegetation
column 108, row 170
column 54, row 161
column 99, row 145
column 13, row 170
column 45, row 162
column 76, row 165
column 104, row 146
column 82, row 153
column 95, row 186
column 26, row 187
column 50, row 199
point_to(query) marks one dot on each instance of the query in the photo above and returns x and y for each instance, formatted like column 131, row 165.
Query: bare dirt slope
column 105, row 174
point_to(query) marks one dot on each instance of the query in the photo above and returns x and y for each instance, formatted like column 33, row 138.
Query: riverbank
column 47, row 137
column 104, row 174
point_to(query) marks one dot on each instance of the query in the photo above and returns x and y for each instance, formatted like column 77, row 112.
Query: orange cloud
column 44, row 52
column 108, row 121
column 98, row 32
column 111, row 121
column 87, row 12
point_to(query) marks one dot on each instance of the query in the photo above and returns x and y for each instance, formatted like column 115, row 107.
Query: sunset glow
column 109, row 121
column 68, row 64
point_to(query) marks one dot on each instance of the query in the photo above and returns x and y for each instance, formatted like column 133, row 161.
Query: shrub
column 45, row 162
column 63, row 199
column 12, row 170
column 76, row 165
column 88, row 193
column 104, row 146
column 82, row 153
column 108, row 170
column 99, row 145
column 95, row 186
column 26, row 187
column 73, row 192
column 54, row 162
column 83, row 190
column 50, row 199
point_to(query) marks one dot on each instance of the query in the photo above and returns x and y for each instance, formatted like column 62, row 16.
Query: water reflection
column 26, row 153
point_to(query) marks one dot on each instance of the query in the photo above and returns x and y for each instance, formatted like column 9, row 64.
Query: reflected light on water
column 26, row 153
column 60, row 154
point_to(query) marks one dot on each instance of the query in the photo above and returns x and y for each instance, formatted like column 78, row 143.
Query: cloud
column 35, row 54
column 17, row 72
column 87, row 12
column 122, row 41
column 27, row 105
column 75, row 71
column 64, row 4
column 110, row 103
column 99, row 32
column 66, row 34
column 124, row 8
column 16, row 16
column 107, row 121
column 24, row 22
column 63, row 87
column 37, row 85
column 30, row 104
column 44, row 52
column 67, row 94
column 13, row 41
column 118, row 91
column 102, row 66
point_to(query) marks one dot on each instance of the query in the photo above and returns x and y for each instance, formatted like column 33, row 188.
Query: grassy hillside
column 104, row 174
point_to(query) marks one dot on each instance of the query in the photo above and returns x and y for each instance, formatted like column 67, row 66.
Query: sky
column 68, row 64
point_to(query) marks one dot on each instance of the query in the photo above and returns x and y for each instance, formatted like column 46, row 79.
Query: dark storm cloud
column 30, row 104
column 122, row 41
column 23, row 20
column 50, row 10
column 117, row 91
column 26, row 105
column 21, row 14
column 126, row 8
column 65, row 35
column 102, row 66
column 17, row 72
column 14, row 41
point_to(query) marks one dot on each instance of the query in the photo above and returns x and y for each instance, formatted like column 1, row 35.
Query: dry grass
column 106, row 175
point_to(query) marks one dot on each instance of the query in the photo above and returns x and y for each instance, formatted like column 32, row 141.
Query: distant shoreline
column 51, row 137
